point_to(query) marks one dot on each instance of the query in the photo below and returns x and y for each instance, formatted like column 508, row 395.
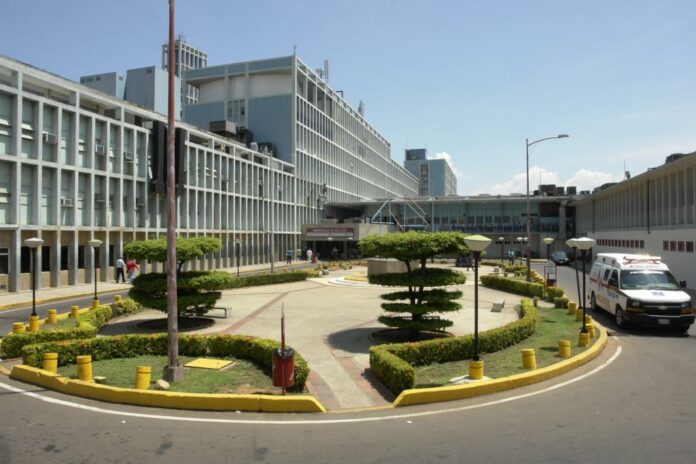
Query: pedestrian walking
column 309, row 255
column 334, row 254
column 131, row 267
column 288, row 256
column 120, row 269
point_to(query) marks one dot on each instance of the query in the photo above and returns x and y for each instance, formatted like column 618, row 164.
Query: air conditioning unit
column 128, row 155
column 51, row 139
column 100, row 150
column 254, row 146
column 66, row 202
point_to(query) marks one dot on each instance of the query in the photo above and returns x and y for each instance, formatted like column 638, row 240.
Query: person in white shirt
column 120, row 270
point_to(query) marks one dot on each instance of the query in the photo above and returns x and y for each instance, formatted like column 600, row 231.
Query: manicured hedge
column 129, row 346
column 429, row 277
column 394, row 364
column 88, row 324
column 520, row 287
column 278, row 278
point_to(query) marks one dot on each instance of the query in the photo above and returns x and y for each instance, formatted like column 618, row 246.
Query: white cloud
column 458, row 173
column 583, row 179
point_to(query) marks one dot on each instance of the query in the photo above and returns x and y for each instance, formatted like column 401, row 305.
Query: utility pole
column 172, row 371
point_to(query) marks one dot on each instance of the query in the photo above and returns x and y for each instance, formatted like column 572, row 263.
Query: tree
column 414, row 249
column 197, row 291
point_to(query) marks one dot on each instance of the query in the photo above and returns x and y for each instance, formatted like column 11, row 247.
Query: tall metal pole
column 172, row 372
column 33, row 282
column 477, row 255
column 95, row 277
column 577, row 276
column 529, row 221
column 584, row 293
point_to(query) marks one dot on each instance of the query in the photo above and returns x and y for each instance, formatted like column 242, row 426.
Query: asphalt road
column 634, row 404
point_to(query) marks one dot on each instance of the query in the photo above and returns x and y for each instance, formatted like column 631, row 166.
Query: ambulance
column 639, row 289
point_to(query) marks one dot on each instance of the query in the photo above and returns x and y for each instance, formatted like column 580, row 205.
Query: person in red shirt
column 131, row 267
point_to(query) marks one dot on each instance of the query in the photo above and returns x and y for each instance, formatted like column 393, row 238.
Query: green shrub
column 520, row 287
column 126, row 306
column 88, row 324
column 255, row 349
column 560, row 302
column 553, row 292
column 250, row 281
column 393, row 363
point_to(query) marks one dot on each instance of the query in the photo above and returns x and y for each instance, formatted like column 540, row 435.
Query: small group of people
column 122, row 266
column 299, row 254
column 511, row 255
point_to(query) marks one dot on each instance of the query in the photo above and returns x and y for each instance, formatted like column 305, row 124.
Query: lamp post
column 548, row 241
column 476, row 244
column 502, row 249
column 33, row 243
column 583, row 244
column 519, row 243
column 571, row 244
column 529, row 219
column 95, row 244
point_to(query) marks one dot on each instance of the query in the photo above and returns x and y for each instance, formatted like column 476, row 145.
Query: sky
column 468, row 80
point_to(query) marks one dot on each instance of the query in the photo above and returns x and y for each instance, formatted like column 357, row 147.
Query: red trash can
column 283, row 368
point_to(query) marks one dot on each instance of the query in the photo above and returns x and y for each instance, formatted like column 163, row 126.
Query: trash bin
column 283, row 368
column 314, row 259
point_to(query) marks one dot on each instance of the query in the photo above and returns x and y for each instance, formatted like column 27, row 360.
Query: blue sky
column 470, row 80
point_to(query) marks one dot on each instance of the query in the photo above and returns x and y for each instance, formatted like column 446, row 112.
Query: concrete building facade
column 435, row 176
column 653, row 213
column 286, row 108
column 76, row 164
column 186, row 57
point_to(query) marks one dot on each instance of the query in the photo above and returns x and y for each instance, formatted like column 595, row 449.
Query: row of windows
column 678, row 246
column 621, row 243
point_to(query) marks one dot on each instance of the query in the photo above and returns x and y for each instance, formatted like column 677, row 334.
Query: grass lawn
column 552, row 325
column 244, row 377
column 66, row 323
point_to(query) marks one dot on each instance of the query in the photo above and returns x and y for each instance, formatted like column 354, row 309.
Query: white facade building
column 653, row 213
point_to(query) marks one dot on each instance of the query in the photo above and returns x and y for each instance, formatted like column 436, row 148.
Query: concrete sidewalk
column 68, row 292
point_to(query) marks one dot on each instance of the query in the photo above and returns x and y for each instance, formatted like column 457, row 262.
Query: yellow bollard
column 584, row 339
column 564, row 348
column 475, row 370
column 95, row 304
column 74, row 311
column 588, row 319
column 84, row 368
column 50, row 362
column 18, row 328
column 52, row 316
column 142, row 377
column 33, row 324
column 528, row 358
column 118, row 299
column 591, row 329
column 572, row 307
column 578, row 314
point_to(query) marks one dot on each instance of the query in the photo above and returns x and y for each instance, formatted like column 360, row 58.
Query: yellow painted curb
column 54, row 299
column 166, row 399
column 458, row 392
column 4, row 370
column 60, row 317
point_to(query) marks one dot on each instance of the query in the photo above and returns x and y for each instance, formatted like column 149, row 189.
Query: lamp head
column 477, row 243
column 548, row 240
column 501, row 239
column 563, row 136
column 584, row 243
column 34, row 242
column 96, row 243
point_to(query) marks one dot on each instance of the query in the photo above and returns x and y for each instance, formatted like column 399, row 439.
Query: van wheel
column 619, row 318
column 593, row 302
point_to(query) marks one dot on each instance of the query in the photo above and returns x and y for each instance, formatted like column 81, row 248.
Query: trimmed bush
column 125, row 307
column 255, row 349
column 393, row 363
column 560, row 302
column 87, row 326
column 553, row 292
column 519, row 287
column 250, row 281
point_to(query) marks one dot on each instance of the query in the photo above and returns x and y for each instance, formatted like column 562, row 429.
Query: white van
column 640, row 289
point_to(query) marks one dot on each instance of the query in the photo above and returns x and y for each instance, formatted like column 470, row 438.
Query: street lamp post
column 519, row 244
column 476, row 244
column 571, row 244
column 583, row 244
column 529, row 219
column 502, row 249
column 95, row 243
column 548, row 241
column 33, row 243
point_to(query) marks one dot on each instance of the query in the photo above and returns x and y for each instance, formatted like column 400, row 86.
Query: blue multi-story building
column 435, row 176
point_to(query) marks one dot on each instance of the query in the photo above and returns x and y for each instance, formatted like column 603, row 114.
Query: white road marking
column 310, row 422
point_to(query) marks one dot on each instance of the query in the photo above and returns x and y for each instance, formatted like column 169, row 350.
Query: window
column 81, row 257
column 25, row 260
column 45, row 259
column 4, row 260
column 63, row 258
column 680, row 246
column 673, row 245
column 689, row 249
column 665, row 245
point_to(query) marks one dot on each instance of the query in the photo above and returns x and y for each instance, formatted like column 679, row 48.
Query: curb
column 54, row 299
column 458, row 392
column 165, row 399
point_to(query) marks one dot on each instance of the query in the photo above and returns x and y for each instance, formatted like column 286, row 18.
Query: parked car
column 560, row 257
